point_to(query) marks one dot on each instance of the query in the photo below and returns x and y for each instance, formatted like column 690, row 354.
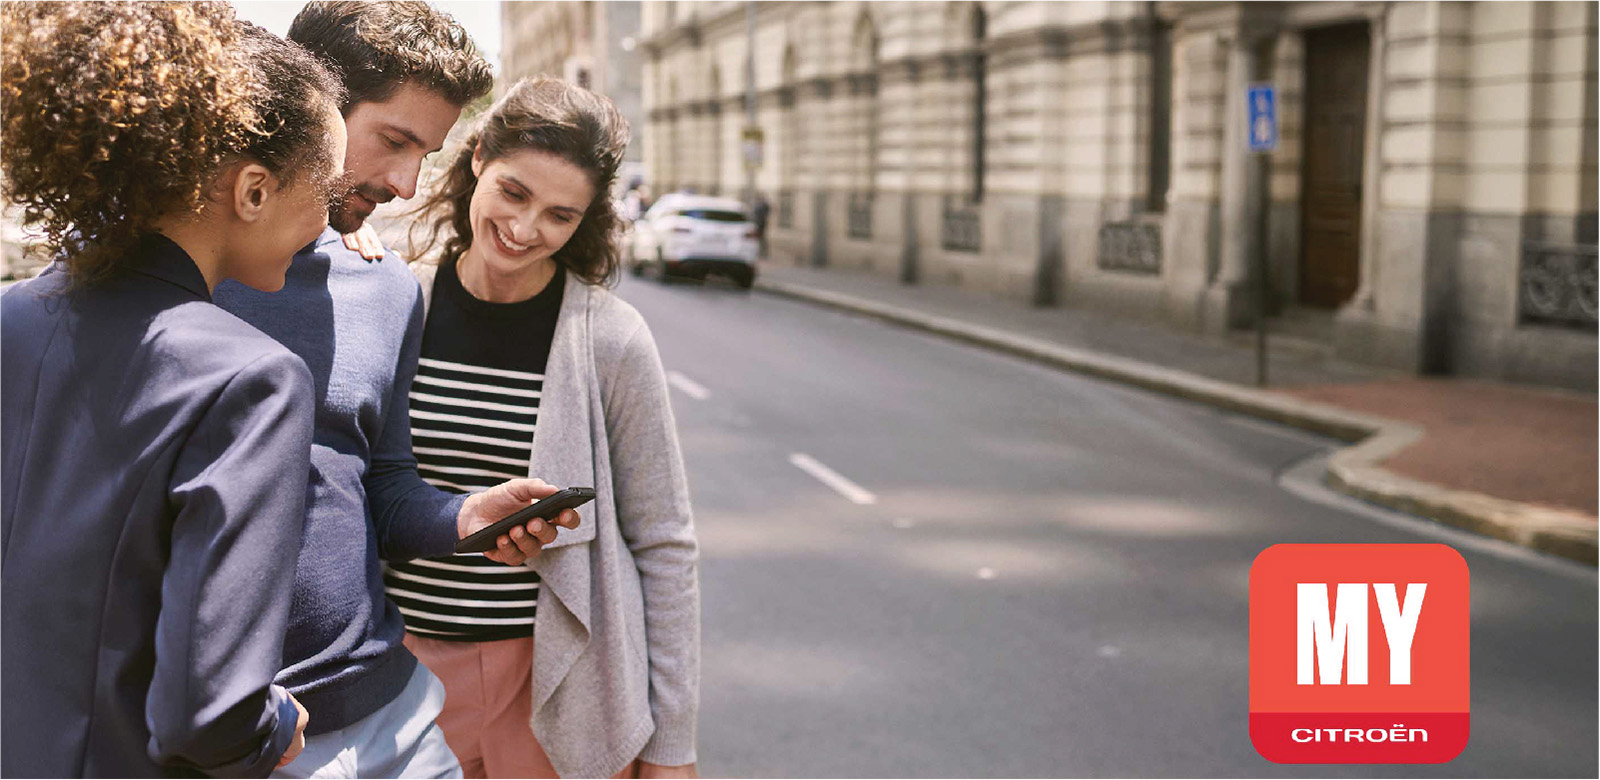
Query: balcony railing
column 1557, row 284
column 960, row 231
column 1132, row 247
column 859, row 215
column 786, row 209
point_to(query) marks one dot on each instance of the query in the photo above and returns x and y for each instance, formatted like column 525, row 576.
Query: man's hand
column 482, row 510
column 364, row 240
column 647, row 769
column 299, row 742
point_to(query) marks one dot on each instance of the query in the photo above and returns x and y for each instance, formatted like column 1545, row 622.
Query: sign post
column 1262, row 100
column 1263, row 118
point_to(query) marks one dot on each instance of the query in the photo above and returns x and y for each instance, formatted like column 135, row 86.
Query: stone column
column 1371, row 167
column 1228, row 299
column 899, row 91
column 823, row 112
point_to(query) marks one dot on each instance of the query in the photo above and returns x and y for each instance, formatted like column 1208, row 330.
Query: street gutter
column 1354, row 470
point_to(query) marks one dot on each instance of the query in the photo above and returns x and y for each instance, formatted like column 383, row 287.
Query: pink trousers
column 488, row 702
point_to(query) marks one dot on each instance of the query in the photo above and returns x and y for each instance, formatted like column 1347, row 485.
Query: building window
column 786, row 209
column 864, row 96
column 979, row 100
column 789, row 150
column 864, row 103
column 1557, row 285
column 713, row 174
column 860, row 215
column 961, row 227
column 1133, row 247
column 672, row 150
column 1160, row 175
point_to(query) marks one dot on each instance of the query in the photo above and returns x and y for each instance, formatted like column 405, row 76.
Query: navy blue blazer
column 153, row 458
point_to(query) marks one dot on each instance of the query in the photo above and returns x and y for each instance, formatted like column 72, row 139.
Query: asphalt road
column 1052, row 576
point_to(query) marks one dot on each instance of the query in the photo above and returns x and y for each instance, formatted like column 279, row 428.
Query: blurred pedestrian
column 633, row 205
column 148, row 538
column 758, row 214
column 600, row 638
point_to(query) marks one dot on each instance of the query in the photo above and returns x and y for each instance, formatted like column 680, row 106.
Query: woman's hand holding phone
column 484, row 509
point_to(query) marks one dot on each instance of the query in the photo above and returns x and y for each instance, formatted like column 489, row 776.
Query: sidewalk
column 1510, row 461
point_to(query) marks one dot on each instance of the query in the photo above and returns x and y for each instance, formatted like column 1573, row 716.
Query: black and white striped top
column 474, row 407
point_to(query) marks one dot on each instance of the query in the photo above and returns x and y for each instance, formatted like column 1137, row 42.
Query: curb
column 1353, row 470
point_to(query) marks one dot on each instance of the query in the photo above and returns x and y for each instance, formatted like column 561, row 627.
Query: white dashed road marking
column 833, row 479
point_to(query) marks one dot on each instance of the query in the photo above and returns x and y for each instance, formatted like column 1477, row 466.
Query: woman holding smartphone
column 531, row 366
column 148, row 541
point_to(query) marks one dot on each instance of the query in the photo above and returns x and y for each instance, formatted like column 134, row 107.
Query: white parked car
column 696, row 236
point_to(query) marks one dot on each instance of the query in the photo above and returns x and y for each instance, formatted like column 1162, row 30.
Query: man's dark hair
column 374, row 47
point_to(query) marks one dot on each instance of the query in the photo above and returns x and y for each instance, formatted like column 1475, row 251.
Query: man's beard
column 347, row 213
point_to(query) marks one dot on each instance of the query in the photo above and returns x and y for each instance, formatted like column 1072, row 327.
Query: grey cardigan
column 616, row 669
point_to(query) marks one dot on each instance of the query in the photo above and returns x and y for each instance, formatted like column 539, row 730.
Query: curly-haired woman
column 148, row 538
column 596, row 642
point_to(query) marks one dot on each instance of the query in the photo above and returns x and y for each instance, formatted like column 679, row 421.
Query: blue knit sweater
column 358, row 326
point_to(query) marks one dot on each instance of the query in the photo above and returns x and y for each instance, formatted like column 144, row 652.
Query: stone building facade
column 1431, row 204
column 591, row 43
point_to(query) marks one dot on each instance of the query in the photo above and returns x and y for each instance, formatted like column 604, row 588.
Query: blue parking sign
column 1263, row 102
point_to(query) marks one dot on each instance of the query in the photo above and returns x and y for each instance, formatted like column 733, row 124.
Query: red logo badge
column 1359, row 654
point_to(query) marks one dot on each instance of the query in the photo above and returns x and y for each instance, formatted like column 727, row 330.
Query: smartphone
column 544, row 509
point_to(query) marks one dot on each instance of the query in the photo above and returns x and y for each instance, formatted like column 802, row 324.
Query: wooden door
column 1335, row 137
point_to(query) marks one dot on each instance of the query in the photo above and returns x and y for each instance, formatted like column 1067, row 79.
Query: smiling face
column 388, row 142
column 526, row 206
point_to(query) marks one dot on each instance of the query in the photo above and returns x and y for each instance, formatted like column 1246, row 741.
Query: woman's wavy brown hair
column 115, row 114
column 547, row 115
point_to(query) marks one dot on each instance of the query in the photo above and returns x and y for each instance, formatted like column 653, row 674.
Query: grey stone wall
column 1480, row 128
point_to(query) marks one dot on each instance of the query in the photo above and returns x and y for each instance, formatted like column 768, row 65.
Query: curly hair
column 374, row 47
column 296, row 92
column 548, row 115
column 113, row 115
column 116, row 114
